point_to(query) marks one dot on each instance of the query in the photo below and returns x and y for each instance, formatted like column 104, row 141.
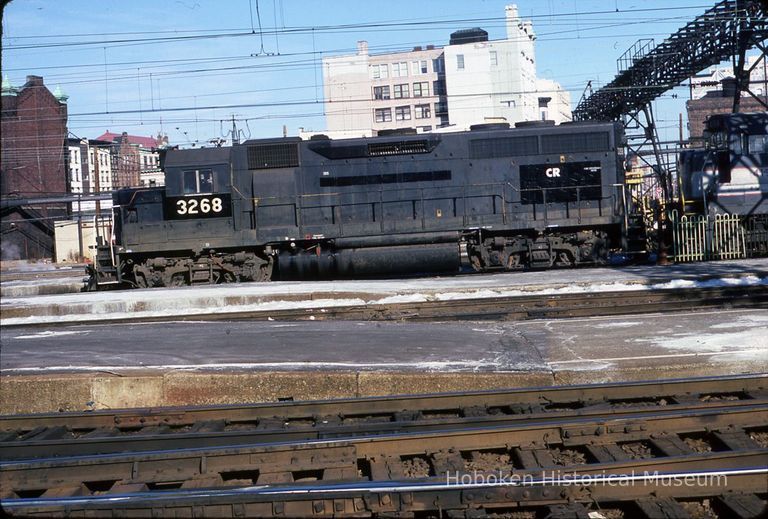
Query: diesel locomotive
column 493, row 198
column 729, row 176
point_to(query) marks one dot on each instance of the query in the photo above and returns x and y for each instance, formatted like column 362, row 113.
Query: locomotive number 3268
column 199, row 206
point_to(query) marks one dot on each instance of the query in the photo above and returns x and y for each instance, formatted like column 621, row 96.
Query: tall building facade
column 367, row 93
column 135, row 159
column 33, row 165
column 90, row 171
column 469, row 81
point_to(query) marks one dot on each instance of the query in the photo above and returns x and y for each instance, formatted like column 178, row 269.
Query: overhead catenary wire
column 297, row 65
column 324, row 28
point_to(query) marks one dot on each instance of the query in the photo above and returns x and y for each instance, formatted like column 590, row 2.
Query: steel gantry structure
column 646, row 71
column 726, row 31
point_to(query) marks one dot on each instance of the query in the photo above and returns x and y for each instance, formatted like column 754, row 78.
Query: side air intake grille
column 267, row 156
column 503, row 147
column 575, row 142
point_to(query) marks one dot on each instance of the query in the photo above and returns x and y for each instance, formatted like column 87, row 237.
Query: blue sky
column 187, row 86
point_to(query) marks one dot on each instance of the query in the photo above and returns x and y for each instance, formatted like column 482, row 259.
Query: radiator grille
column 575, row 142
column 267, row 156
column 398, row 148
column 504, row 147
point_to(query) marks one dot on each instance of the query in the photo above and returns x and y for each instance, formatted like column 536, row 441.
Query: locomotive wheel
column 141, row 281
column 515, row 262
column 265, row 272
column 178, row 280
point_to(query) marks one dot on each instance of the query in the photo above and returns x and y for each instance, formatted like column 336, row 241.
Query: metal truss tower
column 726, row 31
column 646, row 71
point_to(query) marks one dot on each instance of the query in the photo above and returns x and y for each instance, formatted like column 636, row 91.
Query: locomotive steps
column 564, row 293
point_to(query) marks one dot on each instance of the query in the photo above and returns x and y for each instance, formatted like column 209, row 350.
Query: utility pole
column 235, row 135
column 96, row 179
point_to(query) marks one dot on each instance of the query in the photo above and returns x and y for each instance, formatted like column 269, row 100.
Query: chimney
column 417, row 48
column 362, row 48
column 34, row 81
column 729, row 87
column 513, row 19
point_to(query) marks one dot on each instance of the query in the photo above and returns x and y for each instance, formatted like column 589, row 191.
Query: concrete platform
column 91, row 366
column 21, row 306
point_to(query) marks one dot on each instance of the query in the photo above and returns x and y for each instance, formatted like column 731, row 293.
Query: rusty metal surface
column 645, row 434
column 149, row 429
column 292, row 458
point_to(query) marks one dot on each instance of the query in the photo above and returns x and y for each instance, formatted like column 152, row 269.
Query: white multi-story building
column 554, row 101
column 468, row 82
column 367, row 93
column 90, row 171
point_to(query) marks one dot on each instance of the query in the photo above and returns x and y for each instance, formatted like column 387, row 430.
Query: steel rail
column 511, row 308
column 383, row 411
column 272, row 432
column 608, row 483
column 348, row 453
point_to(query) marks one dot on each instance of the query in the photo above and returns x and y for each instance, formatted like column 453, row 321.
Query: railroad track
column 535, row 306
column 370, row 475
column 97, row 432
column 517, row 308
column 713, row 426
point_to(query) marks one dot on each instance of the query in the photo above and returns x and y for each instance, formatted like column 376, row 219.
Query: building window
column 401, row 91
column 421, row 89
column 438, row 88
column 422, row 111
column 419, row 67
column 438, row 65
column 383, row 115
column 402, row 113
column 400, row 69
column 441, row 108
column 426, row 128
column 381, row 92
column 198, row 181
column 379, row 71
column 494, row 58
column 460, row 61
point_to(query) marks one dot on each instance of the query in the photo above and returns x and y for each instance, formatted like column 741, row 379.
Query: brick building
column 32, row 165
column 717, row 102
column 135, row 159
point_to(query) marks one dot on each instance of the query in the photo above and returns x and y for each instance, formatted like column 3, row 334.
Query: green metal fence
column 703, row 237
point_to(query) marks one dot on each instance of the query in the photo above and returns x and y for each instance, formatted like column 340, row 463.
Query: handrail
column 421, row 189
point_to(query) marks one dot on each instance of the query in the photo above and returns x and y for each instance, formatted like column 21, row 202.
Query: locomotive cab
column 730, row 175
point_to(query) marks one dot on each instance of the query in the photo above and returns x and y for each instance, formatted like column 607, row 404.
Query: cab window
column 758, row 144
column 198, row 181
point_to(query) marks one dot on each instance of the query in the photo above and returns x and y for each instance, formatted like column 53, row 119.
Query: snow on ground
column 452, row 365
column 250, row 297
column 49, row 334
